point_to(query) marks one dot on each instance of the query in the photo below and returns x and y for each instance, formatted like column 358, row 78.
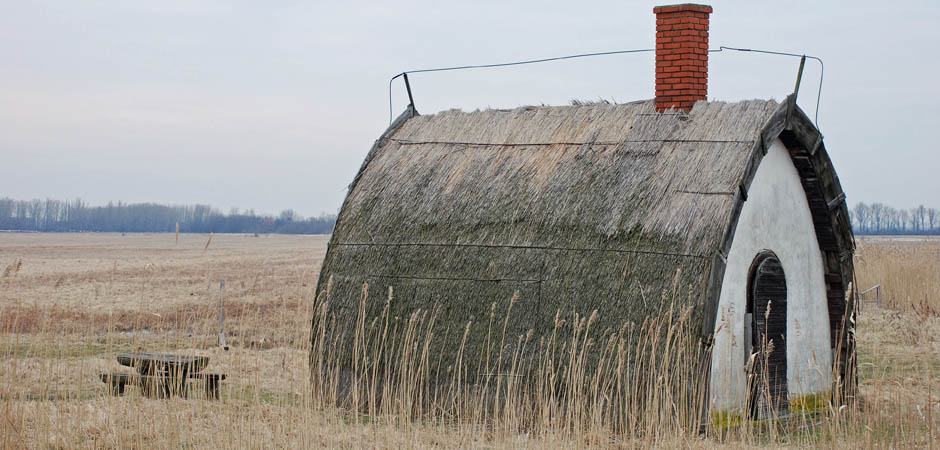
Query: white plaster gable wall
column 775, row 217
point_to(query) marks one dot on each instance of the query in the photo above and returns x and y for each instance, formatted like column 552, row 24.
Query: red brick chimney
column 681, row 55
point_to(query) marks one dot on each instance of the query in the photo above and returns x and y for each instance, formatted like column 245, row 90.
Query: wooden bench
column 163, row 375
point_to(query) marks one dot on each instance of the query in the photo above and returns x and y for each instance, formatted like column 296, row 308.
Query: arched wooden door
column 766, row 334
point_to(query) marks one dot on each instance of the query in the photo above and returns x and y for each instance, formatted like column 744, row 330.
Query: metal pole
column 411, row 100
column 799, row 77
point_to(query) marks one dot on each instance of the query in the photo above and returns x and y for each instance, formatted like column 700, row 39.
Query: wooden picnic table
column 163, row 374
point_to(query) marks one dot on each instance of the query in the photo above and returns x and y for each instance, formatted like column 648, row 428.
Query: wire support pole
column 411, row 100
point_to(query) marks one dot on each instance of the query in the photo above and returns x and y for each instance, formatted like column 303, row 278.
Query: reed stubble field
column 70, row 302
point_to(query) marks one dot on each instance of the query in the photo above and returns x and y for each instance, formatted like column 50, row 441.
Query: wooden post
column 222, row 316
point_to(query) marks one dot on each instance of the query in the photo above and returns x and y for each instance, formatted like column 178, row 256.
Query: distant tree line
column 57, row 215
column 76, row 215
column 878, row 218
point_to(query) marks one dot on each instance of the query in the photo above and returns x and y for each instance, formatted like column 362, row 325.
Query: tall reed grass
column 579, row 382
column 907, row 269
column 383, row 381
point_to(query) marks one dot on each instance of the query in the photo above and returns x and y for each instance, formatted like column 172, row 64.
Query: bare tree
column 862, row 217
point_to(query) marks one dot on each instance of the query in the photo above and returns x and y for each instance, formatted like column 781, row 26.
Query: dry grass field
column 70, row 302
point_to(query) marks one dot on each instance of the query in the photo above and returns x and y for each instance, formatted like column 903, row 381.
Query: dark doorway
column 766, row 337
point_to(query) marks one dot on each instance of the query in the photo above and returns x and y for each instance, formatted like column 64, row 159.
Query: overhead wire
column 513, row 63
column 614, row 52
column 822, row 69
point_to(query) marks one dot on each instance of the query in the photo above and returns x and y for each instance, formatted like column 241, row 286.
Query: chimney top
column 683, row 7
column 681, row 55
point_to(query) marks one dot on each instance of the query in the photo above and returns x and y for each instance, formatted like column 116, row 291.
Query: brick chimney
column 681, row 55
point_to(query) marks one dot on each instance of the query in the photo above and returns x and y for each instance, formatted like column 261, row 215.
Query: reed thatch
column 604, row 207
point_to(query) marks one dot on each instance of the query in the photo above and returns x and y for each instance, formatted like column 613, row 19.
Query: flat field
column 70, row 302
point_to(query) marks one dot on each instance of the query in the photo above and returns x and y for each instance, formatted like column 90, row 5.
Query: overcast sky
column 273, row 105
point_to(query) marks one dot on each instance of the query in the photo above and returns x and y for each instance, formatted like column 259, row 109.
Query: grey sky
column 273, row 105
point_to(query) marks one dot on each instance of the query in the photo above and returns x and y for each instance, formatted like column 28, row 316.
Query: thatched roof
column 597, row 206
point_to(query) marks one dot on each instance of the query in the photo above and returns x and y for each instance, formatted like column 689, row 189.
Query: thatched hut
column 614, row 208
